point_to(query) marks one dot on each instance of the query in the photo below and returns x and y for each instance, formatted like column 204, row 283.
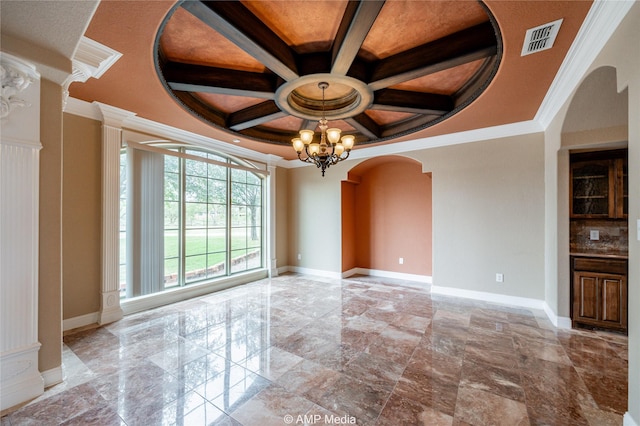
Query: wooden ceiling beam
column 412, row 102
column 365, row 125
column 356, row 23
column 273, row 136
column 254, row 116
column 456, row 49
column 200, row 78
column 235, row 22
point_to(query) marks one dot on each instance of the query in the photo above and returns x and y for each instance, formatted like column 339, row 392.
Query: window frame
column 230, row 164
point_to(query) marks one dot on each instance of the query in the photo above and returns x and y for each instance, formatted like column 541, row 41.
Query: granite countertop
column 607, row 255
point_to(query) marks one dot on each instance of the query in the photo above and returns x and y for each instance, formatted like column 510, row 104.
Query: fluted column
column 112, row 119
column 271, row 230
column 20, row 147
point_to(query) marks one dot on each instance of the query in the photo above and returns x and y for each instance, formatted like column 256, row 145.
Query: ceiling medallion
column 243, row 68
column 304, row 97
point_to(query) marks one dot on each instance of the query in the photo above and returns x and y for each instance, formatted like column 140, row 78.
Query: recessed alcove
column 386, row 211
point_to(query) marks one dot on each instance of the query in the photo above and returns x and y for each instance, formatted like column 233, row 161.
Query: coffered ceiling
column 246, row 72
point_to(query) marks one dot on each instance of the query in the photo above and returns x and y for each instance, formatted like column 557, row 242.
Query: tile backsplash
column 614, row 236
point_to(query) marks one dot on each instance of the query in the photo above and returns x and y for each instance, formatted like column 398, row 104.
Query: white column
column 20, row 147
column 112, row 119
column 271, row 227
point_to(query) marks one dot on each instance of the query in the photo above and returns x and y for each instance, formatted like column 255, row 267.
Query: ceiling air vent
column 541, row 37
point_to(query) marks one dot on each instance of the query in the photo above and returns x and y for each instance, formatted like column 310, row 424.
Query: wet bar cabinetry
column 599, row 239
column 599, row 293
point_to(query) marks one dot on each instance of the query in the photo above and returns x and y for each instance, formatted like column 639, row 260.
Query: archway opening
column 387, row 217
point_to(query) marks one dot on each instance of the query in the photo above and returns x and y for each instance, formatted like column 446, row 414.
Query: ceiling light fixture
column 330, row 149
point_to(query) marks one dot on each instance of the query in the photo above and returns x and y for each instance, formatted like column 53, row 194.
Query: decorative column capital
column 16, row 76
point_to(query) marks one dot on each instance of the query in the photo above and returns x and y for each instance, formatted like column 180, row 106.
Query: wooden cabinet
column 600, row 293
column 599, row 185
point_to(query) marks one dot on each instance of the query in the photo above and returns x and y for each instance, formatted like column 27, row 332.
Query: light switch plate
column 594, row 234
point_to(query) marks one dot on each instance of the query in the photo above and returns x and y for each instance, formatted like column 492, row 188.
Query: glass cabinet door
column 591, row 191
column 625, row 189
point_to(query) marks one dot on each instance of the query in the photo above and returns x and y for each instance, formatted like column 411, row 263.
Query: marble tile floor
column 305, row 350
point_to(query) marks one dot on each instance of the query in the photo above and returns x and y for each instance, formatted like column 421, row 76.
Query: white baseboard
column 388, row 274
column 558, row 322
column 501, row 299
column 355, row 271
column 316, row 272
column 283, row 269
column 627, row 420
column 53, row 376
column 80, row 321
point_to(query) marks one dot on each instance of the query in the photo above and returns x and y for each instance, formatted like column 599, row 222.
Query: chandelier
column 330, row 150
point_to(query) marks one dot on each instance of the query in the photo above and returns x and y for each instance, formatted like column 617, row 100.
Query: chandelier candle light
column 330, row 149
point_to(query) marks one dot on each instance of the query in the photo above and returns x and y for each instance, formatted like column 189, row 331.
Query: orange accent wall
column 387, row 203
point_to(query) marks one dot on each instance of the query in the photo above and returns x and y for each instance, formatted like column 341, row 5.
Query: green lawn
column 201, row 250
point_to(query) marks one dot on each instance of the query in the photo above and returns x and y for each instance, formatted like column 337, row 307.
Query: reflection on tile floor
column 304, row 350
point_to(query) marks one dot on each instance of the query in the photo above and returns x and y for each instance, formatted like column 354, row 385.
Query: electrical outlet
column 401, row 261
column 499, row 278
column 299, row 256
column 594, row 234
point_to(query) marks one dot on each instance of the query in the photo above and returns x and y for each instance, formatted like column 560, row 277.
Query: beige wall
column 81, row 216
column 488, row 215
column 315, row 225
column 50, row 256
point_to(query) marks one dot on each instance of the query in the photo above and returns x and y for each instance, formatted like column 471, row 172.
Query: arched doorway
column 594, row 127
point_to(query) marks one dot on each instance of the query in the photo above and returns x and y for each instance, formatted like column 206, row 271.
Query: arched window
column 187, row 215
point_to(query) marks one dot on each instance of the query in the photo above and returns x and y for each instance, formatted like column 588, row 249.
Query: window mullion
column 182, row 222
column 229, row 220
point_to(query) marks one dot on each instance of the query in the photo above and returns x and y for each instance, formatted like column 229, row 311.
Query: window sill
column 150, row 301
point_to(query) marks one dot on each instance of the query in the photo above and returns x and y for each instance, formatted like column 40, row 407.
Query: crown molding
column 601, row 21
column 129, row 121
column 112, row 116
column 91, row 59
column 82, row 109
column 95, row 57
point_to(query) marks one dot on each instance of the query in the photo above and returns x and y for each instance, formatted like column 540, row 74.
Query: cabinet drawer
column 612, row 266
